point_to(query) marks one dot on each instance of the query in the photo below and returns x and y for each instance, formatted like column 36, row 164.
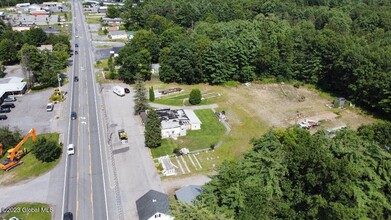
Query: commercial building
column 11, row 86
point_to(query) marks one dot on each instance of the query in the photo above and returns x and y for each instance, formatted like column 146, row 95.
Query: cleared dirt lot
column 252, row 110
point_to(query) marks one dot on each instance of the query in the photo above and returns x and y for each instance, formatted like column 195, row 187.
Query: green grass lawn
column 167, row 148
column 30, row 211
column 177, row 100
column 31, row 167
column 102, row 64
column 212, row 131
column 93, row 19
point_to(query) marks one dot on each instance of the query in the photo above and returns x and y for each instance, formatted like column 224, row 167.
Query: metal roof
column 188, row 194
column 192, row 116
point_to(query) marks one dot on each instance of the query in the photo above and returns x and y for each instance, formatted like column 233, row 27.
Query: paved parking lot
column 132, row 169
column 30, row 112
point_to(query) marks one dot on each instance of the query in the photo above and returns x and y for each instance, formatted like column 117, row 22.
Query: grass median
column 31, row 166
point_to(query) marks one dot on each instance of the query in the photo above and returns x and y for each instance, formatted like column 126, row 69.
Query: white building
column 176, row 122
column 118, row 35
column 12, row 86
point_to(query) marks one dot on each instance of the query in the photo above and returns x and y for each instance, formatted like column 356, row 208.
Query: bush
column 46, row 151
column 43, row 86
column 195, row 97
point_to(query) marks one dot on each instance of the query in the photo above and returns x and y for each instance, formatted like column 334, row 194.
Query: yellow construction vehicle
column 13, row 159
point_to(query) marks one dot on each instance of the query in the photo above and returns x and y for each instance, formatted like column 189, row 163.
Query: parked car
column 49, row 107
column 3, row 117
column 127, row 90
column 71, row 149
column 10, row 99
column 8, row 105
column 5, row 110
column 73, row 115
column 76, row 78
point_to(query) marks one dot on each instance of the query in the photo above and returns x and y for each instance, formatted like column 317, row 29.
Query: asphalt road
column 84, row 186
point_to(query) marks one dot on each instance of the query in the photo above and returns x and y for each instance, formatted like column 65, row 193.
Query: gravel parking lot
column 131, row 168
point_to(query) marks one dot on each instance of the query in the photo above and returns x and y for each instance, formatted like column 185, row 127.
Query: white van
column 119, row 90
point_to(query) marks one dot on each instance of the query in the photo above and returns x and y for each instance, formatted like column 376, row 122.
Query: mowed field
column 252, row 110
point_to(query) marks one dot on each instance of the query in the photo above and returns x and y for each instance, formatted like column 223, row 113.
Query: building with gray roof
column 188, row 194
column 153, row 205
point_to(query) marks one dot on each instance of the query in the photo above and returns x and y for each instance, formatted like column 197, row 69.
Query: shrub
column 46, row 151
column 195, row 97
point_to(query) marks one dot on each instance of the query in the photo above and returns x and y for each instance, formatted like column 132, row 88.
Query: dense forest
column 290, row 174
column 21, row 47
column 340, row 46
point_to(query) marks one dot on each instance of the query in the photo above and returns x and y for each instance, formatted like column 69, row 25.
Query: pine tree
column 153, row 131
column 151, row 94
column 139, row 98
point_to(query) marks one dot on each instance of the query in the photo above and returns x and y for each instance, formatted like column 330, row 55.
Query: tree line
column 291, row 174
column 340, row 46
column 21, row 47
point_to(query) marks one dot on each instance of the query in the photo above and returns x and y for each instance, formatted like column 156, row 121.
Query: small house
column 153, row 205
column 118, row 35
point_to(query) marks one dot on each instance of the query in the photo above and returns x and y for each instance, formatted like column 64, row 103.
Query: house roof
column 151, row 203
column 188, row 194
column 192, row 116
column 117, row 33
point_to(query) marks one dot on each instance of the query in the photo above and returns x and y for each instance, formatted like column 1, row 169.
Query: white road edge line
column 69, row 128
column 97, row 115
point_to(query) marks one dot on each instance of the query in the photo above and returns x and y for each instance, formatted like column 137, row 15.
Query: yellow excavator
column 13, row 159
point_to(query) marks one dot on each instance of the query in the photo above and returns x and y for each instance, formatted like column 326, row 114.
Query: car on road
column 127, row 90
column 73, row 115
column 8, row 105
column 5, row 110
column 76, row 35
column 68, row 216
column 71, row 149
column 76, row 45
column 76, row 52
column 3, row 117
column 76, row 79
column 10, row 99
column 49, row 107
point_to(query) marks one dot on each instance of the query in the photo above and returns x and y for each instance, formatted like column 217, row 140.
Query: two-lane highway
column 84, row 186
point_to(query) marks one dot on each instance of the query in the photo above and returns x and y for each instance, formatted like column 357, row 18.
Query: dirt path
column 172, row 184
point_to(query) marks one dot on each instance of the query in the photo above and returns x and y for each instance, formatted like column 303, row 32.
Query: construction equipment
column 123, row 136
column 13, row 159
